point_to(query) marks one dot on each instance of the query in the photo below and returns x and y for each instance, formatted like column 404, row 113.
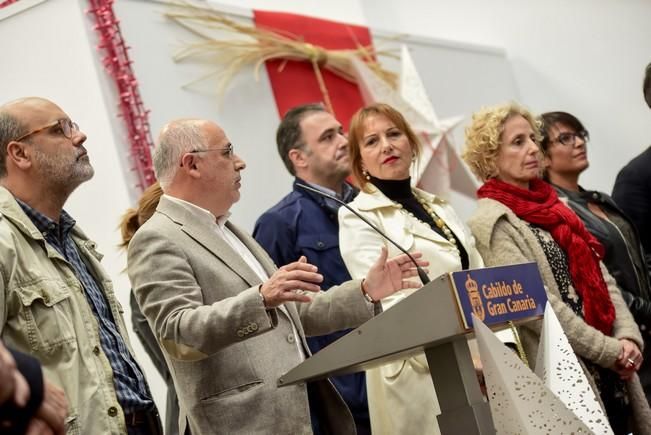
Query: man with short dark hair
column 632, row 193
column 56, row 300
column 632, row 190
column 314, row 148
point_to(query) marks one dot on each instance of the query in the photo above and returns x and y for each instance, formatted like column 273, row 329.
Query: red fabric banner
column 4, row 4
column 296, row 83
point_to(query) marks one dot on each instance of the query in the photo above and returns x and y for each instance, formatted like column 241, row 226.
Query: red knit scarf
column 539, row 205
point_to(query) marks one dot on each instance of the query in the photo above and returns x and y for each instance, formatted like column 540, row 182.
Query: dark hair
column 289, row 135
column 646, row 85
column 357, row 131
column 10, row 129
column 550, row 119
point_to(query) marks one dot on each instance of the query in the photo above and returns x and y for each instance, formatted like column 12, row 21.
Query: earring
column 368, row 177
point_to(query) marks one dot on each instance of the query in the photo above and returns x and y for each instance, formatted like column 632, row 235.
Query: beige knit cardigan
column 503, row 238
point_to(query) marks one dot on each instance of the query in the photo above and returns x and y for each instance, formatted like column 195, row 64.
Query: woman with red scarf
column 520, row 219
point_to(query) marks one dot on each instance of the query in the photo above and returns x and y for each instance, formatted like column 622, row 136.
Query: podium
column 433, row 320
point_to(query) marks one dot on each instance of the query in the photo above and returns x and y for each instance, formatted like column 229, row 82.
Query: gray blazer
column 224, row 349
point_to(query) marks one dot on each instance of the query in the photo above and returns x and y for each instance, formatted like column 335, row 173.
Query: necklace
column 438, row 221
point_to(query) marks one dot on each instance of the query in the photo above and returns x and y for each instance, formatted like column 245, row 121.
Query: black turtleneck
column 400, row 192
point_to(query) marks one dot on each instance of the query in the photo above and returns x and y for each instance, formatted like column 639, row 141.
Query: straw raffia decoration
column 261, row 45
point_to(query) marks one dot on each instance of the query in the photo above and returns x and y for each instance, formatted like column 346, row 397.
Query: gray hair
column 176, row 139
column 10, row 129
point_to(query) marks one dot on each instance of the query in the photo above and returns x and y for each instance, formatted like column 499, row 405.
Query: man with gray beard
column 56, row 300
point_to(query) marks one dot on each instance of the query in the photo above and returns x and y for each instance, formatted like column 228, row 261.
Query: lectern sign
column 499, row 294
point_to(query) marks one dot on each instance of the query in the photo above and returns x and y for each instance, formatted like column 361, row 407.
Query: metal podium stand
column 426, row 321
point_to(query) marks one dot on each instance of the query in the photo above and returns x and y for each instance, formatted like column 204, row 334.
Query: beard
column 341, row 172
column 331, row 170
column 64, row 171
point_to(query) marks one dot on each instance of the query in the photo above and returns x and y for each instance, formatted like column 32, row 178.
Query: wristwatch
column 366, row 295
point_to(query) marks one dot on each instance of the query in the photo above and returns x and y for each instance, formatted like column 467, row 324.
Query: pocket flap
column 49, row 291
column 319, row 242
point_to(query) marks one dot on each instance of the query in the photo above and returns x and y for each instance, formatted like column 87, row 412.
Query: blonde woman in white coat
column 382, row 148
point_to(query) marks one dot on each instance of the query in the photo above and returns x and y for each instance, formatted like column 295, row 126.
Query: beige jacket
column 503, row 238
column 401, row 396
column 224, row 349
column 44, row 312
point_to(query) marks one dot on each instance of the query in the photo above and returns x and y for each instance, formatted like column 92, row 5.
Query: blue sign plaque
column 500, row 294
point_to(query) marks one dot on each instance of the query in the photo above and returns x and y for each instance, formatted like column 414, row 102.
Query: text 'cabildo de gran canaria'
column 516, row 301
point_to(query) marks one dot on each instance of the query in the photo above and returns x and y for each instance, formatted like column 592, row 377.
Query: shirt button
column 112, row 411
column 320, row 244
column 290, row 338
column 96, row 350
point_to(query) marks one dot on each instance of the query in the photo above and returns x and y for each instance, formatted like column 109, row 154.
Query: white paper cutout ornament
column 559, row 369
column 520, row 402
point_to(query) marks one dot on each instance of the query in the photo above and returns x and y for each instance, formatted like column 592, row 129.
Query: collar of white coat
column 371, row 198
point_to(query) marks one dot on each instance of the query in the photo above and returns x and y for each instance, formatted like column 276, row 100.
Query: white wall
column 586, row 57
column 49, row 55
column 49, row 50
column 338, row 10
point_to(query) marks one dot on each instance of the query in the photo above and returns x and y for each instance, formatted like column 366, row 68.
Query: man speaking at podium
column 229, row 322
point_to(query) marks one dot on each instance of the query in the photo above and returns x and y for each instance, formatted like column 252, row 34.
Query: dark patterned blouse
column 557, row 259
column 611, row 389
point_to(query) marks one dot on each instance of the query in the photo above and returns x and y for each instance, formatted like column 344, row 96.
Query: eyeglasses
column 68, row 128
column 227, row 150
column 569, row 139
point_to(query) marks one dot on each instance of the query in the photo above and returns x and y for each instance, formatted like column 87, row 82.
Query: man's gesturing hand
column 388, row 276
column 289, row 282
